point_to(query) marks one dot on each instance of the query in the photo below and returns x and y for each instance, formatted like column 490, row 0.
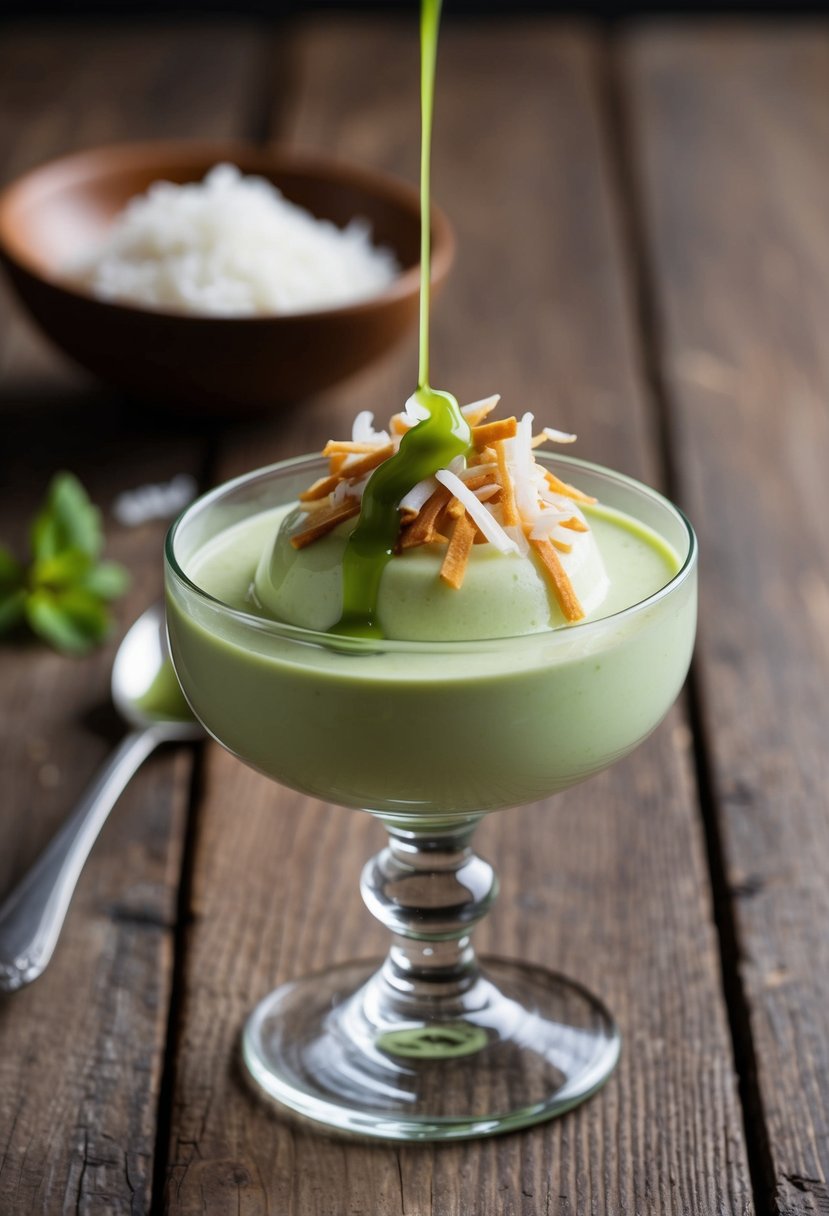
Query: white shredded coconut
column 476, row 469
column 547, row 526
column 559, row 436
column 522, row 467
column 232, row 246
column 362, row 431
column 418, row 495
column 415, row 411
column 484, row 403
column 362, row 428
column 516, row 533
column 347, row 489
column 485, row 492
column 490, row 527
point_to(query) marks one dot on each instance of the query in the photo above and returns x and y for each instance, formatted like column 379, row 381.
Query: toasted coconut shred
column 498, row 495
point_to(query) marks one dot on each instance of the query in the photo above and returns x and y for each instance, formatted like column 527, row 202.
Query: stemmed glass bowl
column 429, row 1043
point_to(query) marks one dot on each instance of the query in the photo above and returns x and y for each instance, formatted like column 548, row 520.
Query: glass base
column 524, row 1045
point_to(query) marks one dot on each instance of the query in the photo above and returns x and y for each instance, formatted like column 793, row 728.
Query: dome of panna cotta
column 503, row 594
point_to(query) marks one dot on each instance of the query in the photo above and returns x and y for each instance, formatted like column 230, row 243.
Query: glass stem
column 429, row 889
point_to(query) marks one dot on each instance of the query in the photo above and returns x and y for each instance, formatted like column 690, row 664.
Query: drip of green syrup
column 432, row 443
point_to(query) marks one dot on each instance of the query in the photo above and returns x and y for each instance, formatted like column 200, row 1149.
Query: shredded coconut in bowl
column 232, row 246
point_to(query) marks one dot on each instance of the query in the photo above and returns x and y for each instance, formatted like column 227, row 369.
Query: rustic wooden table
column 644, row 258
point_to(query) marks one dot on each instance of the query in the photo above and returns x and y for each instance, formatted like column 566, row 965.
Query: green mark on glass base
column 440, row 1042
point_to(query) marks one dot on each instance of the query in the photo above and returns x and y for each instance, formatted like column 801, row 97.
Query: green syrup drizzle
column 432, row 443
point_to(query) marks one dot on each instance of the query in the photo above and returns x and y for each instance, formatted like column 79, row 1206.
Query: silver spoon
column 32, row 915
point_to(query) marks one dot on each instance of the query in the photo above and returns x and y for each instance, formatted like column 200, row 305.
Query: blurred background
column 640, row 193
column 610, row 9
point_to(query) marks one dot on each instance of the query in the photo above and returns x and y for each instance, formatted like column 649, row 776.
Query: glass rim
column 342, row 643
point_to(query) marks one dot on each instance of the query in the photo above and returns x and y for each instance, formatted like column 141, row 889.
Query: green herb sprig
column 63, row 594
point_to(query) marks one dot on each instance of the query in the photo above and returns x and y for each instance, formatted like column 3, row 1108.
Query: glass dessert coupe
column 429, row 1044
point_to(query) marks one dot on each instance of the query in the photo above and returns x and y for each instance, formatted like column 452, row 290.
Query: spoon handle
column 32, row 915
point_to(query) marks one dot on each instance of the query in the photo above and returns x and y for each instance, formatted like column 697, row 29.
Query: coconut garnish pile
column 497, row 495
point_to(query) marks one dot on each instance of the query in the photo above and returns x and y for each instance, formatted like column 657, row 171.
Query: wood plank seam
column 263, row 110
column 166, row 1088
column 624, row 162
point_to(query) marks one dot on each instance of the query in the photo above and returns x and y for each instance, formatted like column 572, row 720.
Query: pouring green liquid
column 432, row 443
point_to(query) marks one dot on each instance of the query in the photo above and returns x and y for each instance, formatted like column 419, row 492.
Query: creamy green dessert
column 473, row 644
column 434, row 727
column 502, row 594
column 253, row 566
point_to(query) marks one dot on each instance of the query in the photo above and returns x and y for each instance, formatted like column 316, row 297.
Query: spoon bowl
column 144, row 687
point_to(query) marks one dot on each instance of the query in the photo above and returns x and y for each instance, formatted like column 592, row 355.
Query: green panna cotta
column 432, row 727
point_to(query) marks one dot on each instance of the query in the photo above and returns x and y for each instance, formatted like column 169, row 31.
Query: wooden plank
column 609, row 881
column 81, row 1051
column 731, row 127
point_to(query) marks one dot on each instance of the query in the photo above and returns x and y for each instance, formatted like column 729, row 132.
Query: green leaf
column 63, row 594
column 63, row 570
column 11, row 571
column 44, row 538
column 73, row 621
column 12, row 608
column 68, row 520
column 107, row 579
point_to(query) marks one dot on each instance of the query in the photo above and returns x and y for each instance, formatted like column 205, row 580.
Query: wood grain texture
column 608, row 882
column 731, row 126
column 81, row 1050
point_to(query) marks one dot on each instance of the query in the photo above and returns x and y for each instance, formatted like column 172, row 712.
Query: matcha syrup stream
column 432, row 443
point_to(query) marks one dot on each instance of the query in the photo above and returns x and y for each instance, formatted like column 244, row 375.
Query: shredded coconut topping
column 419, row 495
column 481, row 515
column 497, row 495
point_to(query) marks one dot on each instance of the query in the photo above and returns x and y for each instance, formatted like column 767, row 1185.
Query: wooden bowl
column 218, row 364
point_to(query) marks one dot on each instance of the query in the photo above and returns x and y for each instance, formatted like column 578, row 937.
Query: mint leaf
column 63, row 595
column 68, row 520
column 107, row 579
column 63, row 570
column 72, row 621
